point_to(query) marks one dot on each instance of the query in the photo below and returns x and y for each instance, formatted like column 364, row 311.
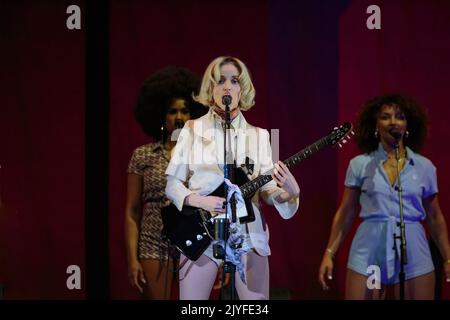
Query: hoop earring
column 162, row 133
column 376, row 134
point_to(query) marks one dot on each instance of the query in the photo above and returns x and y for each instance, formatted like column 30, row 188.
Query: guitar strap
column 263, row 221
column 249, row 166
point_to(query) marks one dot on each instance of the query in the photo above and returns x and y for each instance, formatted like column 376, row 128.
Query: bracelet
column 330, row 252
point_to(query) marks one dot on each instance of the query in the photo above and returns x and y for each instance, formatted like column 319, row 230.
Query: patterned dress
column 150, row 161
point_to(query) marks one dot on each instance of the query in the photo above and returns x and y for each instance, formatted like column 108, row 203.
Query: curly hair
column 158, row 92
column 211, row 78
column 416, row 117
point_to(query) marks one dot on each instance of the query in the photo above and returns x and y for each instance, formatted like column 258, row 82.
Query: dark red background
column 313, row 65
column 41, row 150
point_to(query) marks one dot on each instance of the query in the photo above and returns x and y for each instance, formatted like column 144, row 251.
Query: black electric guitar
column 191, row 230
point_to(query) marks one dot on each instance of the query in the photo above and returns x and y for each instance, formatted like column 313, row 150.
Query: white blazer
column 198, row 159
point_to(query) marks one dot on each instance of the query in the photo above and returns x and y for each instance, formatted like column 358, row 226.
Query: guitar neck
column 251, row 187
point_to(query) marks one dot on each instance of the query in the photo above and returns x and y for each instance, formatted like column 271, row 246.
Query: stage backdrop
column 41, row 150
column 313, row 64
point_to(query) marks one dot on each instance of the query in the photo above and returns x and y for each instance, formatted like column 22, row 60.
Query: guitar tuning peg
column 335, row 128
column 353, row 132
column 349, row 137
column 340, row 145
column 344, row 141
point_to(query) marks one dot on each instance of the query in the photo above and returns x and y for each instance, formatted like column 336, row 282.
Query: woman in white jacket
column 198, row 160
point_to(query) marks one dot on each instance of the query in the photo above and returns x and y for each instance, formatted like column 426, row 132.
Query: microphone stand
column 401, row 224
column 221, row 226
column 229, row 267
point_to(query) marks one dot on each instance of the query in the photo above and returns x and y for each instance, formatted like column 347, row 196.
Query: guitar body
column 191, row 230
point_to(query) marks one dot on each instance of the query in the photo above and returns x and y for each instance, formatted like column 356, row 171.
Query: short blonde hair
column 212, row 77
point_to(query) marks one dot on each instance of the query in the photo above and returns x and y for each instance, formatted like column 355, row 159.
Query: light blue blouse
column 379, row 198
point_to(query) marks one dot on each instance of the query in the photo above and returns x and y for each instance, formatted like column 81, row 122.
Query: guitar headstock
column 340, row 134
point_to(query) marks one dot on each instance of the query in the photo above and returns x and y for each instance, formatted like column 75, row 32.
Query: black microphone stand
column 221, row 226
column 401, row 224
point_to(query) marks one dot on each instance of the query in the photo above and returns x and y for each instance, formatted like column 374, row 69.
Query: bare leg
column 257, row 277
column 155, row 287
column 356, row 288
column 419, row 288
column 197, row 278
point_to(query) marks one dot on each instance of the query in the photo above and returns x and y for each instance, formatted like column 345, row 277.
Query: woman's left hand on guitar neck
column 285, row 180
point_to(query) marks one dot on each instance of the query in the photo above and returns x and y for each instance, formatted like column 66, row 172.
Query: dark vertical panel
column 41, row 149
column 303, row 104
column 97, row 127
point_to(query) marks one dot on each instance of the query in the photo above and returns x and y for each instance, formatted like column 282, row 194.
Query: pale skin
column 421, row 287
column 148, row 276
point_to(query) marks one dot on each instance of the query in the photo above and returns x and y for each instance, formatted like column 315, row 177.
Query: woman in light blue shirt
column 371, row 181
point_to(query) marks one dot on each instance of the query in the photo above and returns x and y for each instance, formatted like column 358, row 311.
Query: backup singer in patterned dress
column 164, row 100
column 371, row 182
column 198, row 159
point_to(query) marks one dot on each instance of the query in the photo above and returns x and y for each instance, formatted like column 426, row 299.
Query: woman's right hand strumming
column 215, row 205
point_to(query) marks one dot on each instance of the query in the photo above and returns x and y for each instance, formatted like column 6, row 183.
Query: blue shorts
column 373, row 246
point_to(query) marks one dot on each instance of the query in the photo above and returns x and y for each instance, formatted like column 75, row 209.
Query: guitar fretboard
column 251, row 187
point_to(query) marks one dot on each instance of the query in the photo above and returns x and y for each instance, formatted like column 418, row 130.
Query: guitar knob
column 204, row 233
column 199, row 237
column 188, row 243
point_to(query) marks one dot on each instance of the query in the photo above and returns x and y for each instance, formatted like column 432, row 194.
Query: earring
column 162, row 133
column 406, row 134
column 376, row 134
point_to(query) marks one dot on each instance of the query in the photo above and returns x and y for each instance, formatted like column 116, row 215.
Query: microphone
column 396, row 134
column 226, row 100
column 179, row 124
